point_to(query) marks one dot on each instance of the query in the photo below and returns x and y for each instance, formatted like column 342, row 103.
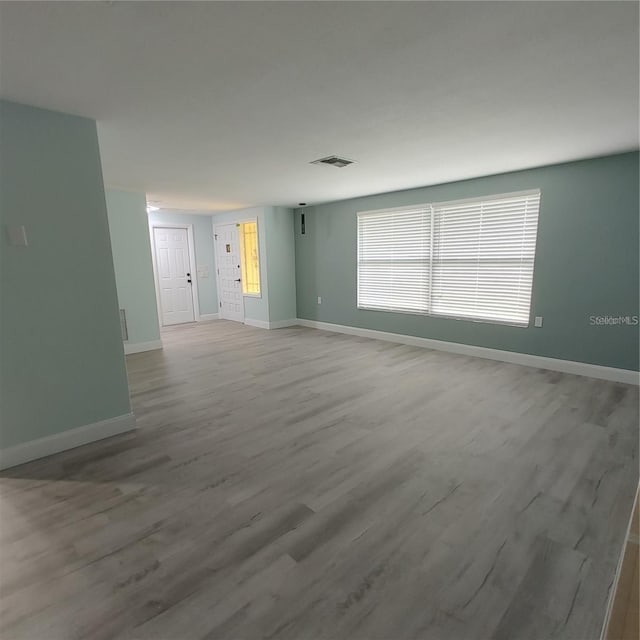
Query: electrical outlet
column 319, row 299
column 538, row 321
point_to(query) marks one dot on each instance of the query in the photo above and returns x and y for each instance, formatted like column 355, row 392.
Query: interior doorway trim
column 192, row 265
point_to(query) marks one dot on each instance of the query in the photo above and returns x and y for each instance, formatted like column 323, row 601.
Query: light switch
column 319, row 300
column 538, row 321
column 17, row 236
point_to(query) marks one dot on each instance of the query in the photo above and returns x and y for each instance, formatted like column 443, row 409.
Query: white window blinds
column 394, row 257
column 467, row 259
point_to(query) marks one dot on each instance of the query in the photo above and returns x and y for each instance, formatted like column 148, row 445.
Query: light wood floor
column 624, row 621
column 301, row 484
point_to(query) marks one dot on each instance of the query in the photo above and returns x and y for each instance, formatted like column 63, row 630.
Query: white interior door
column 174, row 275
column 227, row 241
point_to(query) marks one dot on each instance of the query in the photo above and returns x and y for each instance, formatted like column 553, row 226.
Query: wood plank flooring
column 302, row 484
column 624, row 619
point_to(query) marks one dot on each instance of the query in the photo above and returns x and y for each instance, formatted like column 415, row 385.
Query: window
column 470, row 259
column 250, row 262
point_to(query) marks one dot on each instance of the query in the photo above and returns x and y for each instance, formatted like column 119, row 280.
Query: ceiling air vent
column 334, row 161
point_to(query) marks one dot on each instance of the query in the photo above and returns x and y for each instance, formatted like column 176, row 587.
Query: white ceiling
column 223, row 105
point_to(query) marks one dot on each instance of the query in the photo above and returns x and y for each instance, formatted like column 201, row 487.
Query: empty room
column 319, row 320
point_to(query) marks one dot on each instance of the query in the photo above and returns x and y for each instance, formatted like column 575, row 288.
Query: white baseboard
column 204, row 317
column 69, row 439
column 277, row 324
column 540, row 362
column 261, row 324
column 281, row 324
column 139, row 347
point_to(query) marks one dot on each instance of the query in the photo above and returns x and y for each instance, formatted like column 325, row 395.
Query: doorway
column 174, row 269
column 227, row 249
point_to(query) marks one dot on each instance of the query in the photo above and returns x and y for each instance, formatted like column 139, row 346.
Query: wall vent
column 334, row 161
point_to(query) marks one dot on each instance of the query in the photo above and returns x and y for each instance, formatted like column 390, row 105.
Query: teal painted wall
column 61, row 355
column 281, row 263
column 203, row 240
column 586, row 263
column 131, row 246
column 255, row 308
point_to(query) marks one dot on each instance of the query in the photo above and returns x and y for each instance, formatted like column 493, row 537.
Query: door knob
column 239, row 280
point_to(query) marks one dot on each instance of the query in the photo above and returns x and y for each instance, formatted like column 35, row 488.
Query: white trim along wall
column 278, row 324
column 153, row 345
column 539, row 362
column 69, row 439
column 139, row 347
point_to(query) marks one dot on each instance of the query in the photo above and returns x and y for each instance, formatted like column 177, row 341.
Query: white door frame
column 192, row 265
